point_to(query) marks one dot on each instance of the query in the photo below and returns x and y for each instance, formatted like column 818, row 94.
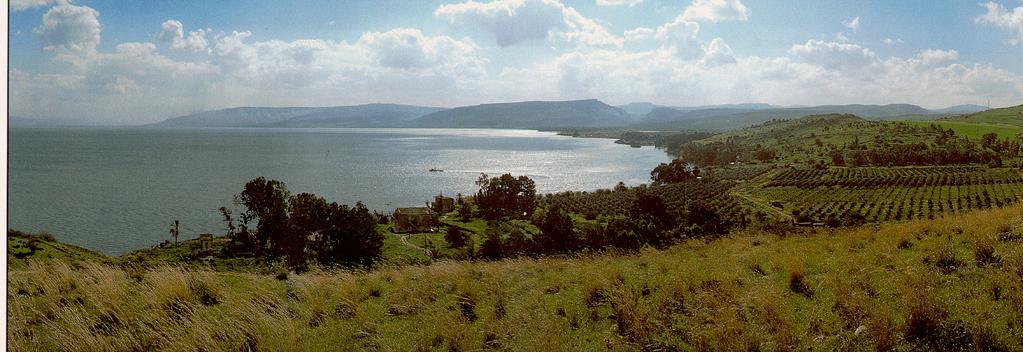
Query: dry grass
column 950, row 283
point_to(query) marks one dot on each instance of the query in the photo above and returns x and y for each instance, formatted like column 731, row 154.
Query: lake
column 120, row 189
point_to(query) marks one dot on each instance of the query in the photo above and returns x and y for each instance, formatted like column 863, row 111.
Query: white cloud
column 70, row 30
column 136, row 83
column 716, row 11
column 931, row 56
column 834, row 55
column 620, row 76
column 678, row 36
column 172, row 31
column 998, row 16
column 407, row 48
column 21, row 5
column 890, row 41
column 853, row 24
column 718, row 53
column 640, row 33
column 515, row 21
column 631, row 3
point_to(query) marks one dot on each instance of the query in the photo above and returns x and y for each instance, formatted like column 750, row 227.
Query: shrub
column 797, row 283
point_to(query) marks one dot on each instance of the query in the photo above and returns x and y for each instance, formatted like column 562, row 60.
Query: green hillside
column 948, row 284
column 23, row 248
column 1012, row 116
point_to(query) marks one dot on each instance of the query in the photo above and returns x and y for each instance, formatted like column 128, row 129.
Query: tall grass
column 950, row 283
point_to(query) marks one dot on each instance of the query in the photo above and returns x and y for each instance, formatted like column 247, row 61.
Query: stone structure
column 420, row 219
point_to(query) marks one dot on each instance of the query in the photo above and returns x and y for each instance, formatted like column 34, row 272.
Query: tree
column 677, row 171
column 455, row 237
column 621, row 234
column 557, row 232
column 308, row 219
column 267, row 201
column 518, row 243
column 989, row 140
column 228, row 219
column 492, row 247
column 837, row 158
column 506, row 196
column 351, row 237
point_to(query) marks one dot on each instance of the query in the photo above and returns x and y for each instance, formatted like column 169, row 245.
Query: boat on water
column 436, row 170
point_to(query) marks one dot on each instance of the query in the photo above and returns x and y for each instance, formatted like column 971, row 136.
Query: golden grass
column 950, row 283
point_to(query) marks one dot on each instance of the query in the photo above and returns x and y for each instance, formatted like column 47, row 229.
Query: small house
column 442, row 204
column 419, row 219
column 206, row 242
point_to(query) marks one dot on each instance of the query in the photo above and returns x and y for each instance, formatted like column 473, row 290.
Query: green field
column 972, row 129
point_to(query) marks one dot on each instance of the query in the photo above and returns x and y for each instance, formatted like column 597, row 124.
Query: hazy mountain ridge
column 369, row 115
column 545, row 114
column 530, row 114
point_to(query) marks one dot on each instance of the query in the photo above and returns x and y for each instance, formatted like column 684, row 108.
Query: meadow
column 954, row 283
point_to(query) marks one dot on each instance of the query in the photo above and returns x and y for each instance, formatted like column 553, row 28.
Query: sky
column 136, row 62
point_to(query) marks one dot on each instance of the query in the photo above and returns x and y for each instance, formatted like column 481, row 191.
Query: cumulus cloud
column 69, row 29
column 617, row 76
column 21, row 5
column 716, row 11
column 515, row 21
column 930, row 56
column 718, row 53
column 853, row 24
column 408, row 48
column 631, row 3
column 136, row 83
column 834, row 55
column 173, row 32
column 998, row 16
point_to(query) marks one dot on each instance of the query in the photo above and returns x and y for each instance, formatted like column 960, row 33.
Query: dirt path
column 404, row 239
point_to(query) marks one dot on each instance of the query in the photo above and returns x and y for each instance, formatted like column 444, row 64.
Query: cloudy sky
column 131, row 62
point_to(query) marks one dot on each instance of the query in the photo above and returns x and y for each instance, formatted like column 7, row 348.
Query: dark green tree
column 455, row 237
column 557, row 233
column 267, row 201
column 505, row 196
column 492, row 246
column 351, row 237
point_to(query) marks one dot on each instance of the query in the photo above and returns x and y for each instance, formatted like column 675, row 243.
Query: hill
column 530, row 114
column 1004, row 122
column 725, row 119
column 235, row 117
column 962, row 109
column 954, row 283
column 638, row 109
column 369, row 115
column 23, row 248
column 1012, row 116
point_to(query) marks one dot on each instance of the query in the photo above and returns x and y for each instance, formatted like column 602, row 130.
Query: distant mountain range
column 545, row 115
column 369, row 115
column 530, row 114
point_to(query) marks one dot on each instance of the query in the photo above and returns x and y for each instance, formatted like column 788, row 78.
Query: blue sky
column 129, row 62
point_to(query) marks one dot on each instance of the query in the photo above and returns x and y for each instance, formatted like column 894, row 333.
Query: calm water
column 120, row 189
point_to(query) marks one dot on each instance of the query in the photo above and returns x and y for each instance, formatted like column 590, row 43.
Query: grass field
column 954, row 283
